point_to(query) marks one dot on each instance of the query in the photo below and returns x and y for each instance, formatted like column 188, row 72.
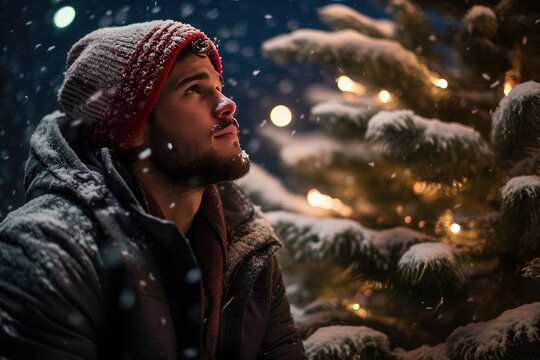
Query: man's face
column 183, row 135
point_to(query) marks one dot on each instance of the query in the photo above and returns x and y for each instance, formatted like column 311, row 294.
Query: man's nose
column 225, row 108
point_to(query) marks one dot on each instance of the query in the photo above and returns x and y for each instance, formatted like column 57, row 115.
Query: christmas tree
column 420, row 234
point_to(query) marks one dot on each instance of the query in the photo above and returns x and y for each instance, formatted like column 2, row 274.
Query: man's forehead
column 191, row 65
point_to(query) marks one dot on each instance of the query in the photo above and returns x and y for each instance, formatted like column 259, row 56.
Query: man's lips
column 229, row 131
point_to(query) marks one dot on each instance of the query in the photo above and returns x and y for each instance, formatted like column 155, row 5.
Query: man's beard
column 205, row 169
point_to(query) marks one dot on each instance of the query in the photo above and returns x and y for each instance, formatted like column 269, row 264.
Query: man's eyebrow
column 199, row 76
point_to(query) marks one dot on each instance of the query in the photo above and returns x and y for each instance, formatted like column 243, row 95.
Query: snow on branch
column 378, row 62
column 374, row 254
column 481, row 21
column 434, row 150
column 392, row 243
column 516, row 128
column 268, row 192
column 342, row 120
column 312, row 239
column 532, row 270
column 515, row 334
column 520, row 213
column 430, row 266
column 347, row 343
column 340, row 17
column 314, row 145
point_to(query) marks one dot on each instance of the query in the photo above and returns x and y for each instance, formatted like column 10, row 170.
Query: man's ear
column 143, row 135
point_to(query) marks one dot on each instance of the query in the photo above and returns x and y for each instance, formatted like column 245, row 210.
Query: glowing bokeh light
column 442, row 83
column 455, row 228
column 64, row 16
column 280, row 115
column 385, row 97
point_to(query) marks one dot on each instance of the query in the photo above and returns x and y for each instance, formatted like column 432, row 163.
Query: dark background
column 33, row 54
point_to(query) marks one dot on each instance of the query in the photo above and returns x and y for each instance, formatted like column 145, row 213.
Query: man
column 134, row 242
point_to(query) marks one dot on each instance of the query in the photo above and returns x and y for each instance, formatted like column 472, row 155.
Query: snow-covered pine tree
column 433, row 250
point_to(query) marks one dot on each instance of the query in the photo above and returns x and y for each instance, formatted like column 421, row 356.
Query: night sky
column 33, row 55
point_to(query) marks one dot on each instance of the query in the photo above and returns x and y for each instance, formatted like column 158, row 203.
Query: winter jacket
column 87, row 273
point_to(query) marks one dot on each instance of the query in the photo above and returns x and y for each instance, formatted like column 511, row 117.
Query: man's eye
column 195, row 89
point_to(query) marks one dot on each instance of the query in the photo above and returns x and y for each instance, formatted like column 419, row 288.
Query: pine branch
column 347, row 343
column 435, row 151
column 310, row 239
column 481, row 21
column 396, row 330
column 327, row 318
column 532, row 270
column 376, row 62
column 527, row 166
column 391, row 244
column 520, row 214
column 315, row 145
column 342, row 120
column 515, row 124
column 515, row 334
column 424, row 352
column 341, row 17
column 431, row 266
column 414, row 26
column 371, row 254
column 323, row 305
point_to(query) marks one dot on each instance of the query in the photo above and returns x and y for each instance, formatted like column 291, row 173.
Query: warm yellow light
column 356, row 307
column 64, row 16
column 345, row 83
column 362, row 313
column 442, row 83
column 385, row 97
column 507, row 88
column 455, row 228
column 316, row 199
column 280, row 115
column 419, row 187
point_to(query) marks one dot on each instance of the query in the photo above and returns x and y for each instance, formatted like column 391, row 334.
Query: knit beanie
column 114, row 76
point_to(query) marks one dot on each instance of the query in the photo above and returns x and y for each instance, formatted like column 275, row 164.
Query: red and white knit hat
column 114, row 76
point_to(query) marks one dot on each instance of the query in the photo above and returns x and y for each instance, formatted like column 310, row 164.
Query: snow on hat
column 114, row 76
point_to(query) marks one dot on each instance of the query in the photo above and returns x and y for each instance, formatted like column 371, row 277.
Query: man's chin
column 208, row 170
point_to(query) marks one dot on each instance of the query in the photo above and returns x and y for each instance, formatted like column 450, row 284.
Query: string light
column 358, row 310
column 316, row 199
column 511, row 79
column 507, row 88
column 442, row 83
column 455, row 228
column 280, row 115
column 346, row 84
column 385, row 97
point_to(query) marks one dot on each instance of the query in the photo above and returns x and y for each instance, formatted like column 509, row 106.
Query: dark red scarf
column 208, row 238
